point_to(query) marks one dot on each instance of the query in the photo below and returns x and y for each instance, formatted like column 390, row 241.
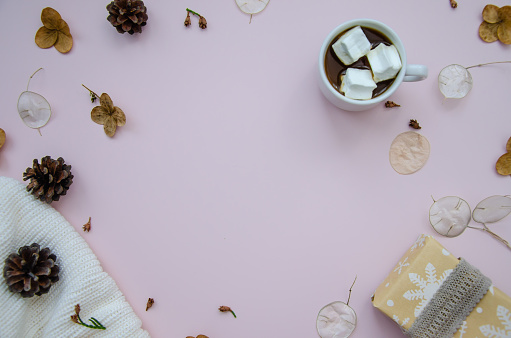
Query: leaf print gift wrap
column 426, row 289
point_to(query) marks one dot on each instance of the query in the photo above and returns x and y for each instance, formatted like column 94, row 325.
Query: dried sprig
column 107, row 114
column 202, row 20
column 54, row 32
column 454, row 4
column 391, row 104
column 86, row 226
column 414, row 124
column 95, row 323
column 2, row 137
column 150, row 303
column 496, row 24
column 224, row 308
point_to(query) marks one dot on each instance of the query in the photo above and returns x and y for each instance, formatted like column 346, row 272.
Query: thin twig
column 90, row 90
column 31, row 76
column 488, row 63
column 349, row 295
column 494, row 235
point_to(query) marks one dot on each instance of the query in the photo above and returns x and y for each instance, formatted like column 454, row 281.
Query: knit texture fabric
column 25, row 220
column 451, row 303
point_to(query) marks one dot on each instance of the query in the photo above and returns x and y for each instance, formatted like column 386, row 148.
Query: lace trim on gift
column 452, row 303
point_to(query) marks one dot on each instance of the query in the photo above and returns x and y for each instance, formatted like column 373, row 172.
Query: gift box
column 431, row 293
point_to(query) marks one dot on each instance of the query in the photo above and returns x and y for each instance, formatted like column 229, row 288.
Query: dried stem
column 92, row 94
column 488, row 63
column 189, row 10
column 31, row 76
column 494, row 235
column 351, row 287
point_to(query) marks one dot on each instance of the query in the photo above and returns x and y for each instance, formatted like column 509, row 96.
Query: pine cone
column 31, row 271
column 48, row 180
column 127, row 15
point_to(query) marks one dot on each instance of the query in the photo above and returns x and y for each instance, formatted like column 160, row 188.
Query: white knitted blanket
column 25, row 220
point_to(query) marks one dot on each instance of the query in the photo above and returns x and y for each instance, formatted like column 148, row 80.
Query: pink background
column 234, row 181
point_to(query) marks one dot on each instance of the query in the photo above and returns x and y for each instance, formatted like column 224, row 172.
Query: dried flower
column 414, row 124
column 188, row 20
column 503, row 164
column 54, row 32
column 199, row 336
column 454, row 4
column 202, row 20
column 150, row 303
column 224, row 308
column 107, row 114
column 86, row 226
column 95, row 323
column 496, row 24
column 391, row 104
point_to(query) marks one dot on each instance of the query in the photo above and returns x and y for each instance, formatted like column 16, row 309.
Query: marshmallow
column 357, row 84
column 385, row 62
column 351, row 46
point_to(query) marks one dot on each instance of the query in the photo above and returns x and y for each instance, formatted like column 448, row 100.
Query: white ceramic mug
column 408, row 73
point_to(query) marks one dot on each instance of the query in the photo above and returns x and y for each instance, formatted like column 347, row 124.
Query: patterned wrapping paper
column 416, row 277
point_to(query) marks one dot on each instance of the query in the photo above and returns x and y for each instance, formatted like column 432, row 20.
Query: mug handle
column 415, row 73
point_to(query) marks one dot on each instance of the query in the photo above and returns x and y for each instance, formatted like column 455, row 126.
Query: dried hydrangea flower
column 108, row 115
column 54, row 32
column 496, row 24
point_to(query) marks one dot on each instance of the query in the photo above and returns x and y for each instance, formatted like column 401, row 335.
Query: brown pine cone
column 48, row 180
column 127, row 15
column 31, row 271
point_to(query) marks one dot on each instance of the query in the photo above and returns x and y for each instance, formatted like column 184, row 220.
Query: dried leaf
column 505, row 13
column 50, row 18
column 110, row 126
column 2, row 137
column 455, row 81
column 492, row 209
column 409, row 152
column 45, row 38
column 508, row 145
column 488, row 31
column 450, row 216
column 64, row 42
column 252, row 6
column 34, row 110
column 503, row 165
column 491, row 14
column 86, row 227
column 336, row 319
column 504, row 32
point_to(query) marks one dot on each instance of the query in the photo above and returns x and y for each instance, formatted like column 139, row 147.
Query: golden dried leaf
column 119, row 116
column 99, row 115
column 106, row 101
column 491, row 14
column 505, row 13
column 504, row 32
column 64, row 42
column 45, row 38
column 488, row 31
column 2, row 137
column 110, row 126
column 508, row 145
column 202, row 336
column 51, row 18
column 503, row 165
